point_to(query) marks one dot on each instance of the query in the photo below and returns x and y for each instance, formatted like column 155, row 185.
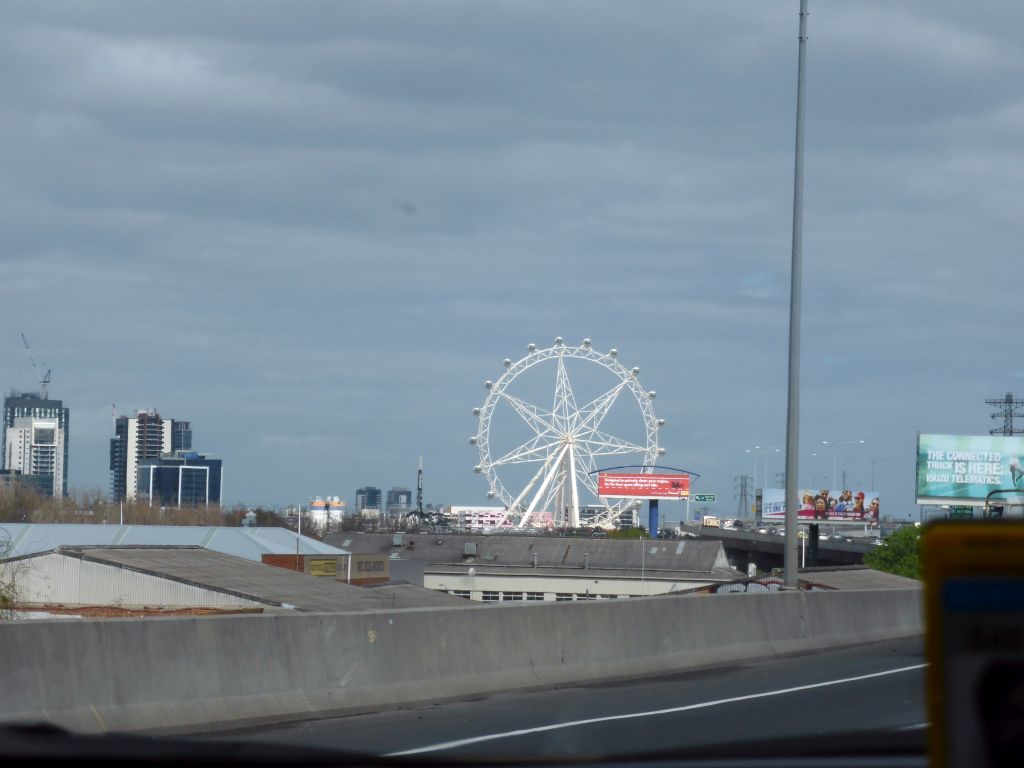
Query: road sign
column 707, row 498
column 961, row 512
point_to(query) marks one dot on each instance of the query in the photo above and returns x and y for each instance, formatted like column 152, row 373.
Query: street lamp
column 835, row 457
column 757, row 452
column 872, row 462
column 755, row 455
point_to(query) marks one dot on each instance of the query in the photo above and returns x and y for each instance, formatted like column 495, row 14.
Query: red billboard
column 641, row 486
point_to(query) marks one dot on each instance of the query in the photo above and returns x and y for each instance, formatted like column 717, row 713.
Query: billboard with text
column 642, row 486
column 832, row 505
column 952, row 468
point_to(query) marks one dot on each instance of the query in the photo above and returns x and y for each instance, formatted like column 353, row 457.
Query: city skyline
column 317, row 235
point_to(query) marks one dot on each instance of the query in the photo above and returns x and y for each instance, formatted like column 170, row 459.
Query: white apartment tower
column 35, row 446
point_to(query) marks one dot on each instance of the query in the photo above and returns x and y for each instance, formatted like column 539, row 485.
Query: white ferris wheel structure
column 567, row 441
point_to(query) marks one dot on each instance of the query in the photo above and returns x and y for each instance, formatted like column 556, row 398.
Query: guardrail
column 194, row 674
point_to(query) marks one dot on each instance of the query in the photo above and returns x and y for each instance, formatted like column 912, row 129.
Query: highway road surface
column 871, row 687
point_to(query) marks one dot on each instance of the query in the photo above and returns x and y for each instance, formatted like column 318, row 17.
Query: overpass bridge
column 765, row 550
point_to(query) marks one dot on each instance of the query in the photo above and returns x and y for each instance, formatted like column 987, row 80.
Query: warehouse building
column 251, row 543
column 168, row 580
column 506, row 568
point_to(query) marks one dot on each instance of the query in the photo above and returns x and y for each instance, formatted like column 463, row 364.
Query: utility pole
column 1008, row 408
column 742, row 486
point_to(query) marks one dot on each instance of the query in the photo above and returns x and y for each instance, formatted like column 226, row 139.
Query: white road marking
column 653, row 713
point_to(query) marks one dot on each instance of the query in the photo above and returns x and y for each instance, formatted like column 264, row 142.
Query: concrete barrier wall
column 196, row 673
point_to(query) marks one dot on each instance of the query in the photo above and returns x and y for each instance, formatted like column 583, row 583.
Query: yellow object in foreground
column 974, row 641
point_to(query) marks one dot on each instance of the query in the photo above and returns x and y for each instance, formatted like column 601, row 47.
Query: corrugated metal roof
column 250, row 543
column 857, row 577
column 689, row 555
column 58, row 579
column 254, row 581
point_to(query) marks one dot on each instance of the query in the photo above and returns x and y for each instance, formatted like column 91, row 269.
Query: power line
column 1008, row 409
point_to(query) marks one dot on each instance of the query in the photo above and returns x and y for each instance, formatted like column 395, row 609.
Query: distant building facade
column 368, row 499
column 326, row 511
column 478, row 518
column 137, row 438
column 41, row 484
column 181, row 478
column 35, row 440
column 626, row 519
column 399, row 501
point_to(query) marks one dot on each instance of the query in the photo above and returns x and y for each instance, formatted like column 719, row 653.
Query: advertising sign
column 323, row 567
column 953, row 468
column 641, row 486
column 833, row 505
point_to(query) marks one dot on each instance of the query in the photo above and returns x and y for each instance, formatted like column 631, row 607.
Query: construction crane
column 46, row 376
column 419, row 490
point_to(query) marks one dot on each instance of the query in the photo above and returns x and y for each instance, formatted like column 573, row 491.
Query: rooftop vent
column 396, row 540
column 469, row 549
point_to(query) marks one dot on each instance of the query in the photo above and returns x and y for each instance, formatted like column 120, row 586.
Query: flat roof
column 857, row 577
column 278, row 587
column 693, row 556
column 250, row 542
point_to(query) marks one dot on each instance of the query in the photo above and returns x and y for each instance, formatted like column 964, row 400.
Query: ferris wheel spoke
column 515, row 506
column 601, row 444
column 550, row 504
column 542, row 491
column 564, row 409
column 539, row 420
column 588, row 479
column 535, row 449
column 593, row 413
column 574, row 519
column 587, row 465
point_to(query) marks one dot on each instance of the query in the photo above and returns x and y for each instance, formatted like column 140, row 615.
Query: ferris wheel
column 551, row 463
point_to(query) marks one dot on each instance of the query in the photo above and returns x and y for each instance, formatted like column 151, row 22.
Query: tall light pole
column 757, row 452
column 872, row 462
column 754, row 452
column 764, row 481
column 835, row 458
column 795, row 273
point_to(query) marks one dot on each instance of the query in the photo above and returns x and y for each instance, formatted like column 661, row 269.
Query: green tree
column 900, row 553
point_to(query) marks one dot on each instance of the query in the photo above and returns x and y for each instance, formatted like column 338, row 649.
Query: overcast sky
column 315, row 229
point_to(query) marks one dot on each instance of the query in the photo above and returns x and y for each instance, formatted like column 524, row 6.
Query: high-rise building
column 181, row 436
column 399, row 501
column 35, row 437
column 184, row 477
column 368, row 498
column 144, row 436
